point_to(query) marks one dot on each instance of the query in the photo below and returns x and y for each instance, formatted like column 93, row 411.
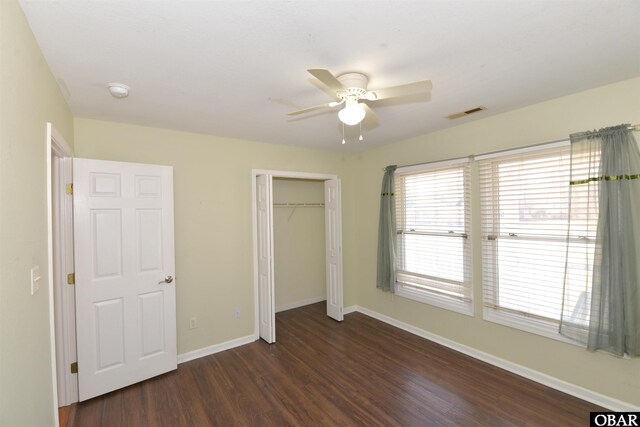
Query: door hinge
column 71, row 279
column 69, row 189
column 74, row 368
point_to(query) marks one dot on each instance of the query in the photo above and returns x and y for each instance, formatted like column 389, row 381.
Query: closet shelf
column 298, row 205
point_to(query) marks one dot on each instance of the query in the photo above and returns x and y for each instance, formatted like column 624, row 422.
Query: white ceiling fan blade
column 327, row 78
column 423, row 86
column 317, row 107
column 371, row 118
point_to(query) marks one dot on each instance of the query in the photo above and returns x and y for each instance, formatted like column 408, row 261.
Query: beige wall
column 29, row 98
column 552, row 120
column 299, row 248
column 213, row 229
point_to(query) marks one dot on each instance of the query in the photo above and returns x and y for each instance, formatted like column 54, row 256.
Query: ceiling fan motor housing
column 356, row 84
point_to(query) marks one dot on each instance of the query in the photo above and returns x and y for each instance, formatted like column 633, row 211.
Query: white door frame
column 254, row 216
column 58, row 160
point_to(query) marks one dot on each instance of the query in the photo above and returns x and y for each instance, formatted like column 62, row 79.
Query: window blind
column 433, row 222
column 525, row 200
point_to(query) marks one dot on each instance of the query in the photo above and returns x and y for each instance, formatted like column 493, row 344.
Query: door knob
column 167, row 279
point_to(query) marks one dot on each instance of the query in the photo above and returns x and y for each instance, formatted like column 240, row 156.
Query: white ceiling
column 235, row 68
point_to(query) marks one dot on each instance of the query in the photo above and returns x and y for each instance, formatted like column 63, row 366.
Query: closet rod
column 298, row 205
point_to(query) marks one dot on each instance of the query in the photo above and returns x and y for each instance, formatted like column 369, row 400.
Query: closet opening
column 297, row 239
column 298, row 243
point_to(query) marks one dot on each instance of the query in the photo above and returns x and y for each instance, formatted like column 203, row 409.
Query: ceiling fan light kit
column 351, row 88
column 352, row 114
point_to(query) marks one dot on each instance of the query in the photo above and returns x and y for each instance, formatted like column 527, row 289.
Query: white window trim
column 434, row 165
column 436, row 300
column 541, row 327
column 532, row 325
column 423, row 295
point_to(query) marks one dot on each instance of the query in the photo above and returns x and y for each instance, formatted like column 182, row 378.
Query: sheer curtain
column 601, row 308
column 386, row 278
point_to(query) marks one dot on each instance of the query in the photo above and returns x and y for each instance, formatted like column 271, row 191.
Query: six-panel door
column 266, row 281
column 124, row 266
column 333, row 245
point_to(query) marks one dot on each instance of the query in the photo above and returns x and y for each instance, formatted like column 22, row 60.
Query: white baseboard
column 216, row 348
column 539, row 377
column 300, row 303
column 350, row 309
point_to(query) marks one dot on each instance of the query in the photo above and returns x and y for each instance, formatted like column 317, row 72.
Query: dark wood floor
column 321, row 372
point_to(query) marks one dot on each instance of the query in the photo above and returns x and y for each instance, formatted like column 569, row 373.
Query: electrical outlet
column 236, row 313
column 35, row 279
column 193, row 323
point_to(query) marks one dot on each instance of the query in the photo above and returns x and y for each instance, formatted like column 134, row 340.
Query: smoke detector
column 118, row 90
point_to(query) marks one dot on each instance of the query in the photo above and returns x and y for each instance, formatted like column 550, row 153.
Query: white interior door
column 124, row 251
column 333, row 230
column 266, row 300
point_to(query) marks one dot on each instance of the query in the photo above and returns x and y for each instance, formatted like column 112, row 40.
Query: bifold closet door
column 333, row 230
column 266, row 282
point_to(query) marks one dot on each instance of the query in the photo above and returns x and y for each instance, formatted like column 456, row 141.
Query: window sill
column 436, row 300
column 533, row 326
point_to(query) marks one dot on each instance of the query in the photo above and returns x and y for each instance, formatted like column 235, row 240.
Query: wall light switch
column 35, row 279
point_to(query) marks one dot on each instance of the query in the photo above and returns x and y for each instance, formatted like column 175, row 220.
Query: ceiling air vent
column 466, row 113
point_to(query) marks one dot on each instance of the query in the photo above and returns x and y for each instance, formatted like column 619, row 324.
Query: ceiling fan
column 351, row 90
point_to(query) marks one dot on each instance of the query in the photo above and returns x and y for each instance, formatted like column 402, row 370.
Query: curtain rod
column 635, row 127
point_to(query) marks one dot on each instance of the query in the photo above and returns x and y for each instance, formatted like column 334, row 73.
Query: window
column 524, row 214
column 433, row 245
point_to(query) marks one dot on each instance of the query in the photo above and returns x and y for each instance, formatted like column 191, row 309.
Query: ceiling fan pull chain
column 343, row 141
column 361, row 138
